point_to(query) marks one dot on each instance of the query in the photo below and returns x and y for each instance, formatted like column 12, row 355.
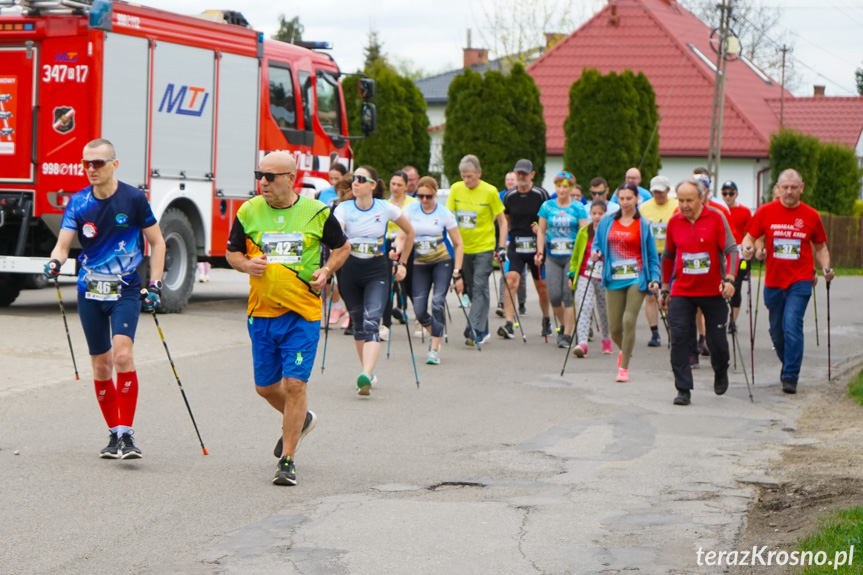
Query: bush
column 791, row 149
column 858, row 209
column 838, row 179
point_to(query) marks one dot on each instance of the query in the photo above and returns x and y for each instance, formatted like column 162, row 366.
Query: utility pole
column 785, row 49
column 728, row 46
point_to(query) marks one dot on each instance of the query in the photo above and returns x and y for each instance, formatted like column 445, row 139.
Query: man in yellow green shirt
column 658, row 211
column 476, row 206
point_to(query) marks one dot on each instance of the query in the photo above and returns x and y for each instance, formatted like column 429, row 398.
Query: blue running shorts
column 283, row 346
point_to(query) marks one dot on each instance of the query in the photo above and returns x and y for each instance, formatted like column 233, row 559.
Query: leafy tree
column 497, row 118
column 858, row 76
column 604, row 135
column 791, row 149
column 838, row 180
column 289, row 30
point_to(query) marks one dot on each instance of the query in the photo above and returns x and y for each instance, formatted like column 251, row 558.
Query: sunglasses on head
column 425, row 196
column 362, row 179
column 269, row 175
column 564, row 175
column 95, row 164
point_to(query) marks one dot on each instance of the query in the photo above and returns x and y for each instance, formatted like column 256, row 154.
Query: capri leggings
column 425, row 276
column 364, row 287
column 557, row 282
column 595, row 294
column 623, row 307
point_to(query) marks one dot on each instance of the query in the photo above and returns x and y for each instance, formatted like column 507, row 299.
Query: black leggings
column 425, row 276
column 364, row 285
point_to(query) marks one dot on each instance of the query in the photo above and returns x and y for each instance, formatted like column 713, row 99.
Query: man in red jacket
column 698, row 248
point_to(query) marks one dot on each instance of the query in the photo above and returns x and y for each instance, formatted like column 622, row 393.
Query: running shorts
column 283, row 346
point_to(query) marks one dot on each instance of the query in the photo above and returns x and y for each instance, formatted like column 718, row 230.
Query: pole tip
column 205, row 450
column 77, row 377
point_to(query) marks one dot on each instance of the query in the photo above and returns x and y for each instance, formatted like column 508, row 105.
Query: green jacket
column 578, row 251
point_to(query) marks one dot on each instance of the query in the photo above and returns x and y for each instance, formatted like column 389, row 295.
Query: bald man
column 633, row 176
column 276, row 239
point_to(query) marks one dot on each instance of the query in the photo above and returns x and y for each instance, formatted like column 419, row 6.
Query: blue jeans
column 439, row 275
column 787, row 308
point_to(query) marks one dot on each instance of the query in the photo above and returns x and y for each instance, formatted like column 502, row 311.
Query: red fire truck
column 190, row 103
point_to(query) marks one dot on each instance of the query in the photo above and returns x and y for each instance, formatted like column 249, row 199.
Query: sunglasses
column 95, row 164
column 727, row 194
column 362, row 179
column 564, row 175
column 269, row 175
column 425, row 196
column 595, row 193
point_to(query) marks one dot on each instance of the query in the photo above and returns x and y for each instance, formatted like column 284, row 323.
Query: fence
column 844, row 240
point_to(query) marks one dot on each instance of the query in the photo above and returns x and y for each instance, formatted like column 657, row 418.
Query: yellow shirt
column 658, row 216
column 392, row 228
column 475, row 210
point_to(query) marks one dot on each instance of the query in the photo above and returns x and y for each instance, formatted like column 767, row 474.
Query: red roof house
column 833, row 119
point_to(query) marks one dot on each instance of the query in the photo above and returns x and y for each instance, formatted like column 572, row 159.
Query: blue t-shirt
column 562, row 226
column 328, row 195
column 109, row 231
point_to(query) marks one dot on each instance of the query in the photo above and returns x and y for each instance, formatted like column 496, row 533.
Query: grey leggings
column 623, row 307
column 557, row 282
column 595, row 293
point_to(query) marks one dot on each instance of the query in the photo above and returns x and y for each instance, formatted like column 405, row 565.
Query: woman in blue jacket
column 631, row 270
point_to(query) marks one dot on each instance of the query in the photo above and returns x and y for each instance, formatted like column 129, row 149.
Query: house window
column 704, row 58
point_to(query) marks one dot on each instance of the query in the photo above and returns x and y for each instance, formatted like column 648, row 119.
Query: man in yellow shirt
column 658, row 210
column 476, row 206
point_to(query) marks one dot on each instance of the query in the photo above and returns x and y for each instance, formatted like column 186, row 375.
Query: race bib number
column 525, row 244
column 466, row 219
column 597, row 271
column 786, row 249
column 696, row 264
column 624, row 269
column 425, row 245
column 561, row 247
column 367, row 247
column 102, row 287
column 281, row 248
column 658, row 229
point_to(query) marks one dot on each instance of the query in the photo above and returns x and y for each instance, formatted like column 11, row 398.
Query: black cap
column 729, row 184
column 524, row 166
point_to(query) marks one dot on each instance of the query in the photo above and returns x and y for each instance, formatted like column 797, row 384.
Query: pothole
column 446, row 485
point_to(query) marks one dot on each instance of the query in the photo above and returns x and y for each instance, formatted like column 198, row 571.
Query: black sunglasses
column 269, row 175
column 726, row 194
column 95, row 164
column 595, row 193
column 362, row 179
column 425, row 196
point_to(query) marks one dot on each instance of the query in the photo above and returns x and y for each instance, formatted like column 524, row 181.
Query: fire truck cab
column 190, row 103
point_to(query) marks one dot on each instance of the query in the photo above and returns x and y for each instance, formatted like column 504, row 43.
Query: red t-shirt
column 788, row 232
column 740, row 216
column 698, row 248
column 624, row 246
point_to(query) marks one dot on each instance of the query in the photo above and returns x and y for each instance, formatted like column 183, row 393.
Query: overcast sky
column 827, row 34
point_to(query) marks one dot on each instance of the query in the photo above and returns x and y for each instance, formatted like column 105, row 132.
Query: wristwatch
column 156, row 284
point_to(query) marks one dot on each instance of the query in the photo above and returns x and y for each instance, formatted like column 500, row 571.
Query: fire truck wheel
column 180, row 260
column 10, row 287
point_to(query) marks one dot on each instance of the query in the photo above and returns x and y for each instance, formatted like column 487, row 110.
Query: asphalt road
column 496, row 464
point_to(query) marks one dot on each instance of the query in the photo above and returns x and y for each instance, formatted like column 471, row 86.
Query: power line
column 846, row 13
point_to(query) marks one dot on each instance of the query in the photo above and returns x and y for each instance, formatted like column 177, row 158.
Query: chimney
column 819, row 90
column 474, row 56
column 613, row 18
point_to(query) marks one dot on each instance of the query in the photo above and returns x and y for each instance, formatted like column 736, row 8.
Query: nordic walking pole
column 829, row 363
column 578, row 317
column 408, row 329
column 496, row 285
column 446, row 323
column 664, row 317
column 757, row 298
column 390, row 336
column 743, row 365
column 515, row 311
column 467, row 319
column 745, row 266
column 327, row 325
column 815, row 303
column 66, row 325
column 177, row 377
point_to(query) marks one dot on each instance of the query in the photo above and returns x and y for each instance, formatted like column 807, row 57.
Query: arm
column 458, row 248
column 64, row 244
column 542, row 228
column 822, row 258
column 255, row 267
column 157, row 251
column 337, row 258
column 409, row 234
column 503, row 226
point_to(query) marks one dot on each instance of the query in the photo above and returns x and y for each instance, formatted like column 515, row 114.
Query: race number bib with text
column 561, row 247
column 696, row 264
column 282, row 248
column 466, row 219
column 786, row 249
column 624, row 269
column 525, row 244
column 102, row 287
column 367, row 247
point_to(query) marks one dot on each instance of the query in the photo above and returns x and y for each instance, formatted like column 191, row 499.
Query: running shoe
column 286, row 474
column 346, row 321
column 397, row 313
column 499, row 310
column 484, row 337
column 702, row 346
column 654, row 340
column 606, row 346
column 364, row 384
column 732, row 326
column 128, row 449
column 622, row 375
column 506, row 331
column 563, row 340
column 112, row 450
column 349, row 330
column 522, row 310
column 384, row 333
column 465, row 300
column 546, row 327
column 590, row 333
column 433, row 358
column 374, row 381
column 683, row 397
column 308, row 425
column 469, row 342
column 336, row 315
column 789, row 386
column 720, row 383
column 580, row 350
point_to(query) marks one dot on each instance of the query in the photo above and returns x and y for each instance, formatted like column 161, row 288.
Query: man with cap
column 740, row 216
column 521, row 207
column 633, row 176
column 657, row 211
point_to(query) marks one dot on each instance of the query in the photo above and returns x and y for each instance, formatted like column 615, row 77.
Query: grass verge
column 832, row 544
column 855, row 388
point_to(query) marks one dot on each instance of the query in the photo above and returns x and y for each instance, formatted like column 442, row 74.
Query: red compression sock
column 127, row 396
column 106, row 393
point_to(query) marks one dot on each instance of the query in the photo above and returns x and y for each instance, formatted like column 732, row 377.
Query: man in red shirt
column 698, row 244
column 740, row 216
column 791, row 230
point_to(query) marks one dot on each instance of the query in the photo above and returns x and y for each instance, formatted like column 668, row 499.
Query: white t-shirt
column 366, row 229
column 431, row 244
